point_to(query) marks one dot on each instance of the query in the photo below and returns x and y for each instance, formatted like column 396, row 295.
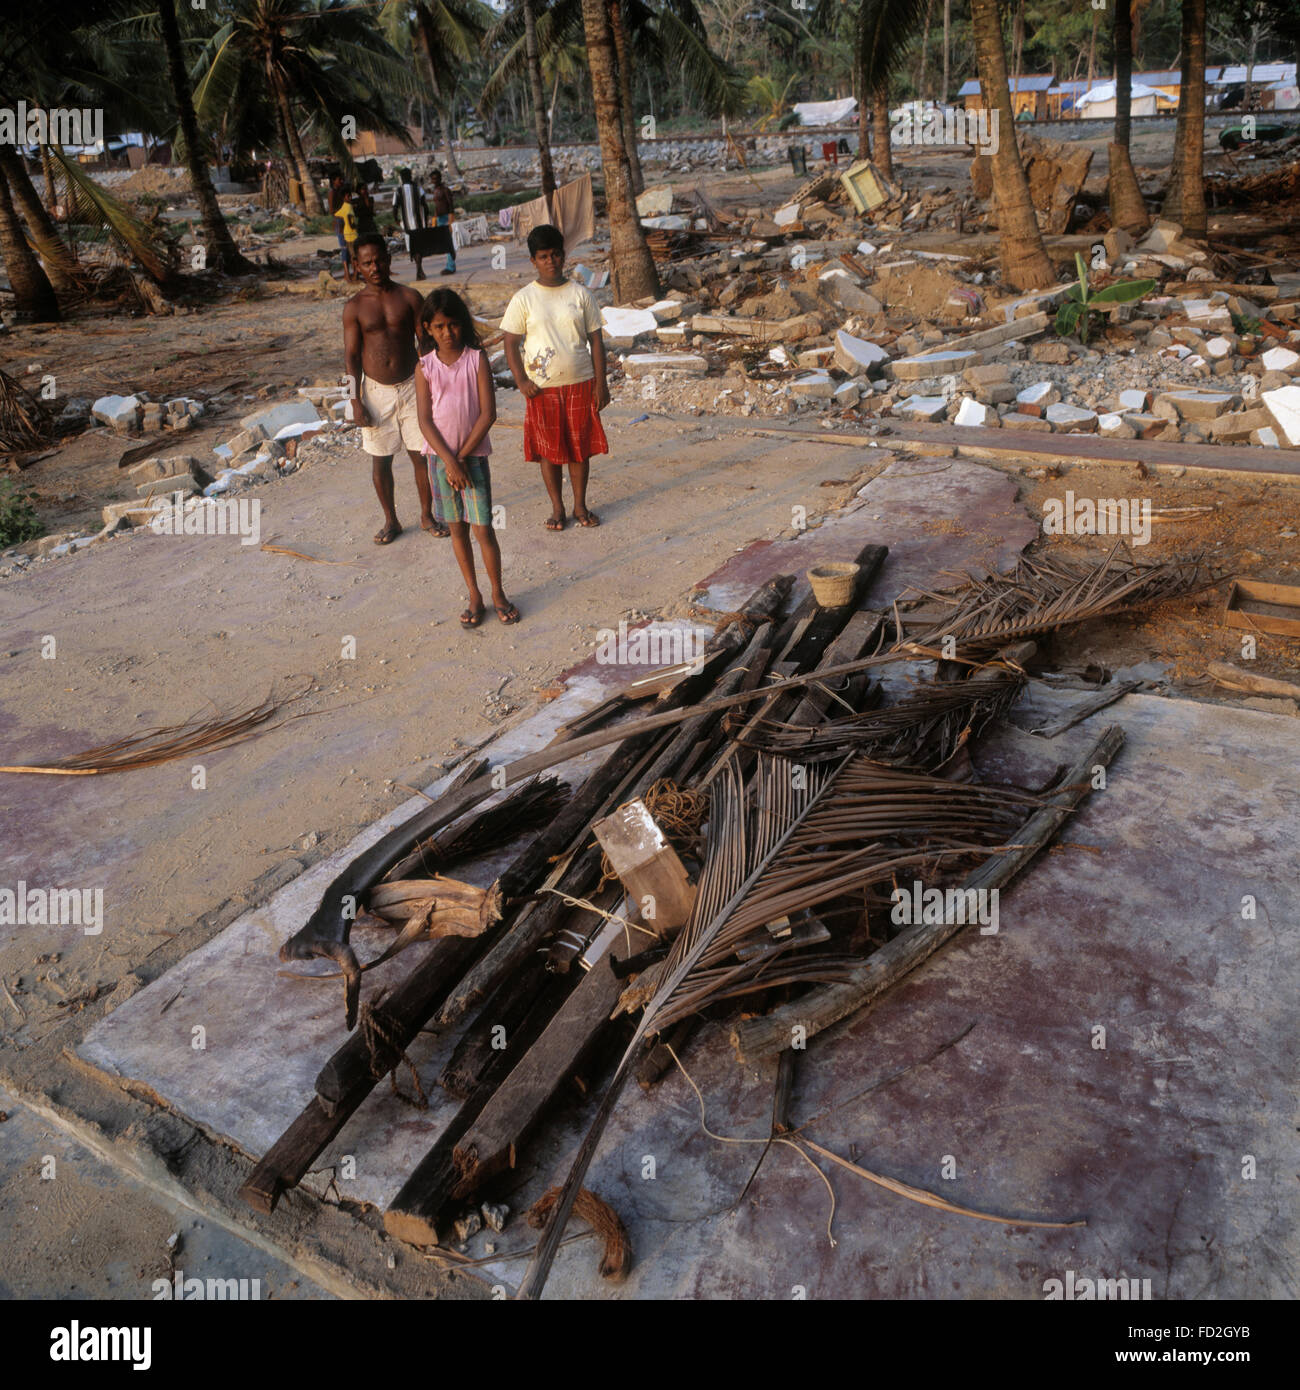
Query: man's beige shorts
column 392, row 415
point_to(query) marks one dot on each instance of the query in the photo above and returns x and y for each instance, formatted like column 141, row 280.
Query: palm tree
column 634, row 272
column 55, row 253
column 220, row 245
column 449, row 33
column 32, row 291
column 1127, row 209
column 1025, row 263
column 538, row 96
column 326, row 56
column 885, row 29
column 1185, row 198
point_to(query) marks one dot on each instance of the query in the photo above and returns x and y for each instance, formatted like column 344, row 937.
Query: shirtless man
column 380, row 357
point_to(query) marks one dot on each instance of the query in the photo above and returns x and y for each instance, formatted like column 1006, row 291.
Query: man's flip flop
column 437, row 530
column 586, row 518
column 556, row 523
column 472, row 617
column 388, row 535
column 508, row 613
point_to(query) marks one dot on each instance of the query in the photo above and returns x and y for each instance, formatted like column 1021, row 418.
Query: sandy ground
column 153, row 630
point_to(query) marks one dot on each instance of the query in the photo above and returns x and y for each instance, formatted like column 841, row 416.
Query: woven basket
column 832, row 584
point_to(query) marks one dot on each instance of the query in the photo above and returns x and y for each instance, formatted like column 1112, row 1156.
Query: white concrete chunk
column 1284, row 406
column 627, row 323
column 1041, row 393
column 1280, row 359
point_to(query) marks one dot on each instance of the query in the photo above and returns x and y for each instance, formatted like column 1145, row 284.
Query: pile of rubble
column 788, row 317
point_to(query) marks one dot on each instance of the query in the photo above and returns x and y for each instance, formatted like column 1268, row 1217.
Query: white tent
column 824, row 113
column 1286, row 95
column 1100, row 101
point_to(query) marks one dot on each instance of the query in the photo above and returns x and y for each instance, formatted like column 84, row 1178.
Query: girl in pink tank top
column 456, row 403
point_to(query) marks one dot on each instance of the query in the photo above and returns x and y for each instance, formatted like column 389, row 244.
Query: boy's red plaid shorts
column 561, row 425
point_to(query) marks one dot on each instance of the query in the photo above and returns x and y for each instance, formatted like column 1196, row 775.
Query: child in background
column 456, row 405
column 561, row 373
column 347, row 219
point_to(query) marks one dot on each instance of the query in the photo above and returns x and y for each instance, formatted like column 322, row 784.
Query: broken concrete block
column 847, row 393
column 1118, row 243
column 1041, row 394
column 816, row 385
column 933, row 364
column 1280, row 359
column 159, row 487
column 814, row 357
column 1284, row 406
column 974, row 414
column 1016, row 421
column 134, row 512
column 1071, row 419
column 1266, row 437
column 641, row 364
column 1133, row 400
column 990, row 374
column 1237, row 425
column 627, row 323
column 1219, row 348
column 273, row 419
column 655, row 202
column 784, row 217
column 840, row 287
column 119, row 413
column 1161, row 236
column 1057, row 354
column 856, row 356
column 922, row 407
column 1146, row 426
column 1207, row 315
column 1112, row 426
column 1197, row 405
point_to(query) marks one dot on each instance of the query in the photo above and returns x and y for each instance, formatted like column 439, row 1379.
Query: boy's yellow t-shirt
column 554, row 324
column 347, row 215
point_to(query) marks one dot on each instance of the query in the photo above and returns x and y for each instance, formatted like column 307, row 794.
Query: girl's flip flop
column 472, row 617
column 508, row 613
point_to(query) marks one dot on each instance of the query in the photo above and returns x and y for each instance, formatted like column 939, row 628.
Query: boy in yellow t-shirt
column 557, row 358
column 347, row 216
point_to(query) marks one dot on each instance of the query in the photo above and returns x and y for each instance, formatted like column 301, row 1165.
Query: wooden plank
column 756, row 1038
column 1018, row 329
column 415, row 1214
column 289, row 1159
column 1259, row 607
column 491, row 1143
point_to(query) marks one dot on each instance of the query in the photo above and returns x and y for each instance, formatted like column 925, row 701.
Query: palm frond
column 129, row 234
column 1046, row 593
column 885, row 31
column 717, row 85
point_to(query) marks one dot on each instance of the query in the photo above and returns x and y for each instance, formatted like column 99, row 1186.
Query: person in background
column 338, row 191
column 363, row 204
column 346, row 216
column 443, row 209
column 412, row 213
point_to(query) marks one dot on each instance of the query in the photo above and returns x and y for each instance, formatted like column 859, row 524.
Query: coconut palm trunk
column 47, row 170
column 297, row 155
column 882, row 151
column 1025, row 263
column 1127, row 209
column 429, row 46
column 538, row 97
column 619, row 30
column 32, row 291
column 55, row 254
column 221, row 249
column 1185, row 200
column 633, row 266
column 864, row 113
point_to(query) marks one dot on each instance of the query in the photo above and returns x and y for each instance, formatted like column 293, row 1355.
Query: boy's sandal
column 388, row 534
column 472, row 617
column 586, row 518
column 556, row 523
column 437, row 529
column 508, row 613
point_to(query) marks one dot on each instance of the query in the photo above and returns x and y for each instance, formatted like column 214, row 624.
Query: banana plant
column 1078, row 310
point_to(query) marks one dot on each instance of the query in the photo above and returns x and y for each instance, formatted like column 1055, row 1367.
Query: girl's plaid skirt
column 561, row 425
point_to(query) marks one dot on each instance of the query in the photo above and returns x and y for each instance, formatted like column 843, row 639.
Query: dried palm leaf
column 1046, row 593
column 528, row 808
column 168, row 742
column 787, row 839
column 924, row 730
